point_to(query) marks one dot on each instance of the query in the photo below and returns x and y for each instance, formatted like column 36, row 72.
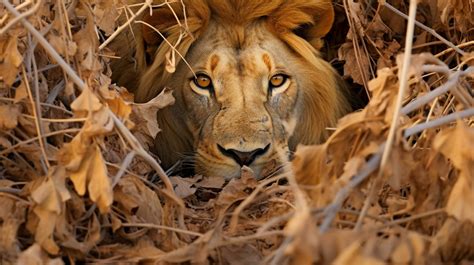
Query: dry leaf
column 21, row 92
column 106, row 13
column 86, row 102
column 457, row 144
column 34, row 255
column 93, row 174
column 355, row 67
column 10, row 59
column 144, row 116
column 9, row 116
column 183, row 187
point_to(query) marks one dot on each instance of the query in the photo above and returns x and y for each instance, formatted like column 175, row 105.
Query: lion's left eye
column 278, row 83
column 203, row 81
column 202, row 84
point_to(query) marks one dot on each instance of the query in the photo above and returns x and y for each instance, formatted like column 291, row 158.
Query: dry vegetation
column 394, row 184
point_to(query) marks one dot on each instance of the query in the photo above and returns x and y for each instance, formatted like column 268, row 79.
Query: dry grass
column 394, row 184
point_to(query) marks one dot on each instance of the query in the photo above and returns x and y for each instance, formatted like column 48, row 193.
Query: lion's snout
column 243, row 158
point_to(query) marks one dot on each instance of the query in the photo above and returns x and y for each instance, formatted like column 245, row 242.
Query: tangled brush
column 394, row 184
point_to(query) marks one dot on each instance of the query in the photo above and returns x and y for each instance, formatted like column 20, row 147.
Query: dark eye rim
column 285, row 79
column 194, row 79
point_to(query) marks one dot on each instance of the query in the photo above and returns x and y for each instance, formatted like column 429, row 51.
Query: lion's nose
column 243, row 158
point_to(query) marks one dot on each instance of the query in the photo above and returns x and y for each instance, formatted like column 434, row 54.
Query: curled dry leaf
column 392, row 247
column 144, row 116
column 353, row 255
column 20, row 93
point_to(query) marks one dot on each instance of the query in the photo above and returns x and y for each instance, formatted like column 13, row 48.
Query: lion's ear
column 309, row 19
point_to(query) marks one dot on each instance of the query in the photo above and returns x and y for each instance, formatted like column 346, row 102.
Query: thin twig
column 126, row 24
column 163, row 227
column 173, row 47
column 413, row 217
column 36, row 114
column 30, row 140
column 25, row 14
column 448, row 85
column 421, row 25
column 126, row 162
column 438, row 122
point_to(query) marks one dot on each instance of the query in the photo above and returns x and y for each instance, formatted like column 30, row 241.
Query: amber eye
column 278, row 80
column 203, row 81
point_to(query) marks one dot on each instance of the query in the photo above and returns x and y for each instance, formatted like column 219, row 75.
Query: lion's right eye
column 202, row 84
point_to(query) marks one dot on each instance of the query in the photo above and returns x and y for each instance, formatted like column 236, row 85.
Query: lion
column 250, row 84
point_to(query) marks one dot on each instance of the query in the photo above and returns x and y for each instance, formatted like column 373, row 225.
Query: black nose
column 243, row 158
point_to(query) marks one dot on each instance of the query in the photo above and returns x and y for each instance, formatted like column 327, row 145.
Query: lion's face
column 242, row 103
column 258, row 86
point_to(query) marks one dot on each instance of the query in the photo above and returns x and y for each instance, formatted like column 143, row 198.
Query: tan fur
column 239, row 43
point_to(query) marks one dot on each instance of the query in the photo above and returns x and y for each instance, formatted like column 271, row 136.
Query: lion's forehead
column 248, row 61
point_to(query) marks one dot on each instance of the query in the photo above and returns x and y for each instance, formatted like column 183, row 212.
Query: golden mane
column 299, row 23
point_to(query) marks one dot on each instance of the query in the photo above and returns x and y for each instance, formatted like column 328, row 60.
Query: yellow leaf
column 79, row 177
column 99, row 123
column 45, row 229
column 100, row 188
column 52, row 193
column 86, row 102
column 93, row 174
column 50, row 197
column 121, row 108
